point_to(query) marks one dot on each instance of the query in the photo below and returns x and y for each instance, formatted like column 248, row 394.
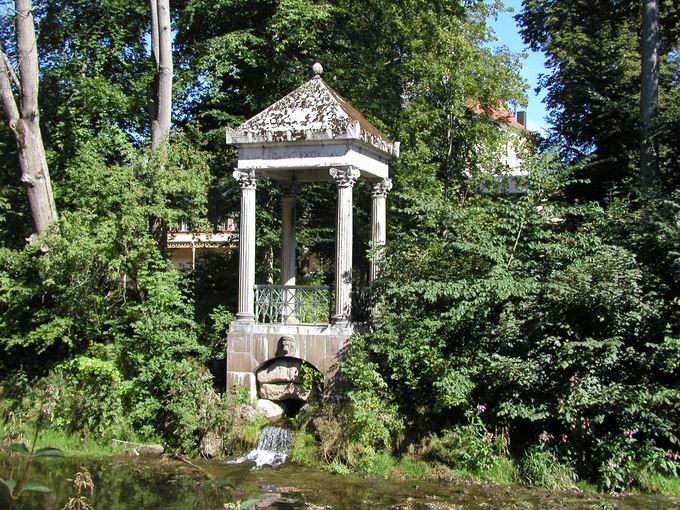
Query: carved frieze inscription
column 293, row 153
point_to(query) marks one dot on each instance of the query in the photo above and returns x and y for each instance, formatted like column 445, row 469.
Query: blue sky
column 507, row 32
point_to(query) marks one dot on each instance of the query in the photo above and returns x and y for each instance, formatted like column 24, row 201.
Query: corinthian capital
column 246, row 178
column 381, row 188
column 345, row 177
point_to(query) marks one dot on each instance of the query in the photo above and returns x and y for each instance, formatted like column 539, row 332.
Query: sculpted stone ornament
column 286, row 346
column 246, row 178
column 345, row 177
column 381, row 188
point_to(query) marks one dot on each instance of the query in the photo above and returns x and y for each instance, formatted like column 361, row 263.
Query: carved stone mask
column 286, row 347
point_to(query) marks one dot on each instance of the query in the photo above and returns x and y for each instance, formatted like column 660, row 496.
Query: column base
column 245, row 317
column 339, row 319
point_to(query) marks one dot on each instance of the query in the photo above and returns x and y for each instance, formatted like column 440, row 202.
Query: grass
column 73, row 445
column 76, row 446
column 541, row 468
column 305, row 450
column 658, row 483
column 504, row 471
column 413, row 469
column 380, row 464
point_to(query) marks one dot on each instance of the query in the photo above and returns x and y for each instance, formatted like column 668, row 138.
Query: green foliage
column 312, row 379
column 305, row 450
column 470, row 448
column 556, row 316
column 375, row 419
column 338, row 468
column 541, row 468
column 115, row 322
column 593, row 85
column 373, row 463
column 87, row 396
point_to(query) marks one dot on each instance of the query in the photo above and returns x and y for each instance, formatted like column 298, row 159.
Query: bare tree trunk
column 25, row 121
column 649, row 96
column 161, row 42
column 161, row 117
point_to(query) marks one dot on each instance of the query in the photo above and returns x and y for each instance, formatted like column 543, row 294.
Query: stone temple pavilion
column 310, row 135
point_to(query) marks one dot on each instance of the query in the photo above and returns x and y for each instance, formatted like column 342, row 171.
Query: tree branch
column 154, row 32
column 8, row 101
column 12, row 73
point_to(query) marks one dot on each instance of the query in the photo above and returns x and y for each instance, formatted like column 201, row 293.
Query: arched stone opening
column 289, row 382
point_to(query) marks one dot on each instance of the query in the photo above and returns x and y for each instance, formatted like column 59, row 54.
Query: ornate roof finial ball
column 317, row 68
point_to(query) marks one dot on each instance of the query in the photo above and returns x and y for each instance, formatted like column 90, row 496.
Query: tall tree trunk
column 649, row 96
column 161, row 42
column 25, row 121
column 161, row 118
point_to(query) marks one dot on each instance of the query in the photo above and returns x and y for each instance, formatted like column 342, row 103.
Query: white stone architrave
column 379, row 191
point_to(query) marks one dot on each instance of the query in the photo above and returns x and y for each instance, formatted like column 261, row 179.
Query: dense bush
column 555, row 317
column 102, row 325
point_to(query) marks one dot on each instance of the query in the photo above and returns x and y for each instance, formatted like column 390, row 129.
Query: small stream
column 163, row 484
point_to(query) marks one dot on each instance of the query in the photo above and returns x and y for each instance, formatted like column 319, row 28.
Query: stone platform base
column 250, row 346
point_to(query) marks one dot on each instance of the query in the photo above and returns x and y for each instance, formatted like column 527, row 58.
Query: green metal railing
column 293, row 304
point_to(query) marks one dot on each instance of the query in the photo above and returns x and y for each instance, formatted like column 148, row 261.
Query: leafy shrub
column 470, row 447
column 558, row 315
column 338, row 468
column 375, row 419
column 87, row 397
column 624, row 463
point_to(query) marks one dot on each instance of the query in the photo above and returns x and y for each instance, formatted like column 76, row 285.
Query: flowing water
column 272, row 449
column 163, row 484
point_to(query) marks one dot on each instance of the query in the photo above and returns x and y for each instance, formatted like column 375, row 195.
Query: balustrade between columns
column 287, row 305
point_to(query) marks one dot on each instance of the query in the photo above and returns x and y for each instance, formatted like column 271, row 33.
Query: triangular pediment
column 312, row 112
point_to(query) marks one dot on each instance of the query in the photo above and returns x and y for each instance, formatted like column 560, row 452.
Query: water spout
column 272, row 449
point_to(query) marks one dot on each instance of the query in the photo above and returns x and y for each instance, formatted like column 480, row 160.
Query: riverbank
column 122, row 483
column 306, row 454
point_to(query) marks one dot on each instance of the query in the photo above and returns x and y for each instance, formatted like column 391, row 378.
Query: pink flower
column 545, row 437
column 481, row 408
column 488, row 436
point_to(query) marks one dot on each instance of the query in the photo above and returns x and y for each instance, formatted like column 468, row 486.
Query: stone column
column 288, row 255
column 246, row 255
column 345, row 178
column 379, row 191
